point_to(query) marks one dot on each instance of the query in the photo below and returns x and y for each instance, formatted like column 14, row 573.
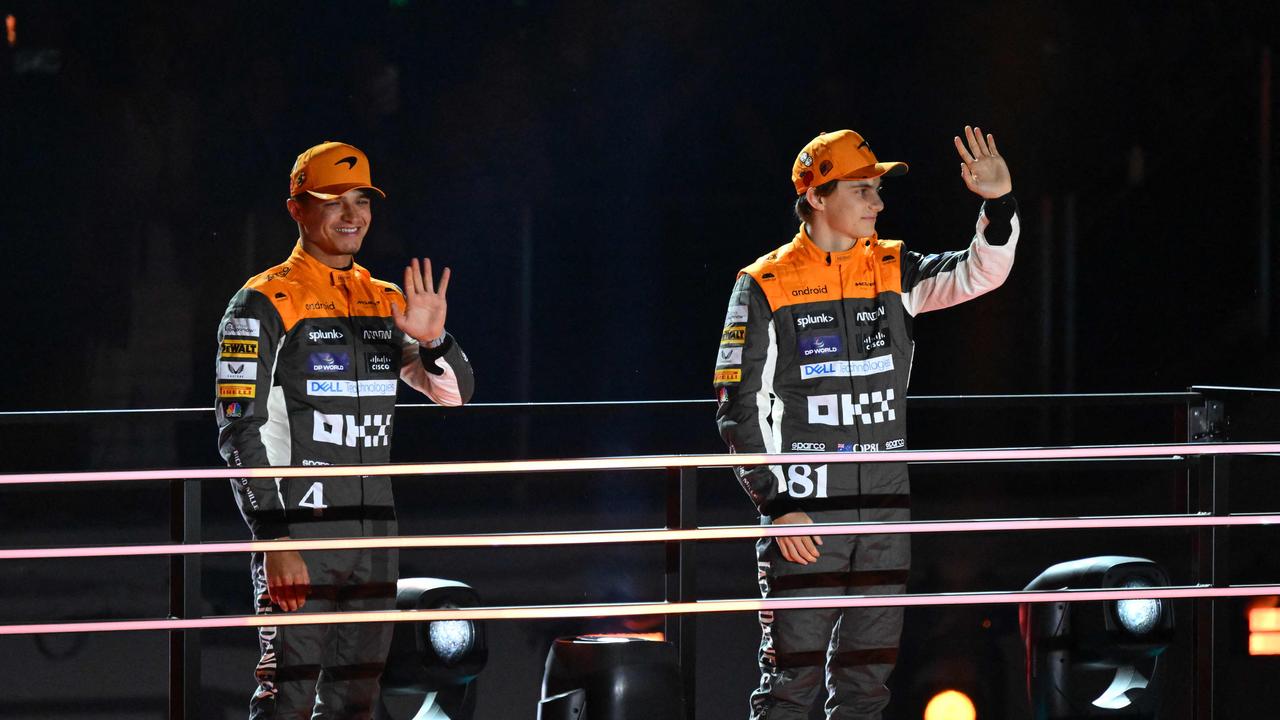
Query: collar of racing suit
column 861, row 252
column 315, row 270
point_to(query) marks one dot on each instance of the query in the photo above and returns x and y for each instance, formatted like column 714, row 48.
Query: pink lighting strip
column 715, row 533
column 634, row 609
column 732, row 532
column 653, row 462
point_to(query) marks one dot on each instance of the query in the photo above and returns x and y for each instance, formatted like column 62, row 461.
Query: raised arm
column 432, row 362
column 933, row 282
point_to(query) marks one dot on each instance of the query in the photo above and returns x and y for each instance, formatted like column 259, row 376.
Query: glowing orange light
column 11, row 29
column 950, row 705
column 1264, row 626
column 1267, row 643
column 1264, row 619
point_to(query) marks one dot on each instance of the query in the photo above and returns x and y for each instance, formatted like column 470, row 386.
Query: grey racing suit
column 308, row 363
column 815, row 356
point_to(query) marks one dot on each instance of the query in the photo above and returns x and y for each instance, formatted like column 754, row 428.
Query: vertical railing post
column 1219, row 576
column 1208, row 488
column 185, row 595
column 681, row 630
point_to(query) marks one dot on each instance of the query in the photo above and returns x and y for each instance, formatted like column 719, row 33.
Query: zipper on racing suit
column 341, row 280
column 849, row 345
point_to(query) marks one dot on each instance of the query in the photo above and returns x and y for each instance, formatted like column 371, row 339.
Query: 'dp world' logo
column 323, row 362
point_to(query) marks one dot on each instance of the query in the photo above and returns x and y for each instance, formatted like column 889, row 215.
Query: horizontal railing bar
column 29, row 415
column 536, row 612
column 1233, row 389
column 1155, row 399
column 609, row 537
column 1111, row 462
column 931, row 401
column 648, row 462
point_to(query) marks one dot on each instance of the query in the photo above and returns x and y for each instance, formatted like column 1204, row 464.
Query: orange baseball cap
column 329, row 170
column 839, row 155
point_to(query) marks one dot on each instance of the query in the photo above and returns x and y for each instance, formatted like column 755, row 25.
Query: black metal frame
column 1207, row 490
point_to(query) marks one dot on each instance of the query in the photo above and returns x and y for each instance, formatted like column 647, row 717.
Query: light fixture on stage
column 432, row 666
column 950, row 705
column 611, row 678
column 1097, row 658
column 1264, row 626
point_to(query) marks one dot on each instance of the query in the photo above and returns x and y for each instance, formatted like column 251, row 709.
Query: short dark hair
column 804, row 210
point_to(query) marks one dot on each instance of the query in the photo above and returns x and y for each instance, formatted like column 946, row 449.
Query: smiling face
column 332, row 231
column 851, row 211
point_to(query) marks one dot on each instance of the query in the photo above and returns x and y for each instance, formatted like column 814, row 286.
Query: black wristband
column 431, row 355
column 999, row 212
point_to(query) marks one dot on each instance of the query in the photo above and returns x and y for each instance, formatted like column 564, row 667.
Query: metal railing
column 1200, row 413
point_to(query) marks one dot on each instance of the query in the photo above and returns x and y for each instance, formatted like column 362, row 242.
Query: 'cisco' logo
column 379, row 362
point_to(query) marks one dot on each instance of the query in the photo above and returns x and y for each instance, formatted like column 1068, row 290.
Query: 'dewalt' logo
column 728, row 376
column 734, row 335
column 239, row 348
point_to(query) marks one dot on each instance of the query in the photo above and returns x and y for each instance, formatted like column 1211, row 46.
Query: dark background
column 595, row 174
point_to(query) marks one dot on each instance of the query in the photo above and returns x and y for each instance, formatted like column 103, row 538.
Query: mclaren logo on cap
column 350, row 160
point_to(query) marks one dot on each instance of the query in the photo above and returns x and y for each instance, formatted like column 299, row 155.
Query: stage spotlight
column 432, row 666
column 1264, row 626
column 950, row 705
column 611, row 678
column 1096, row 659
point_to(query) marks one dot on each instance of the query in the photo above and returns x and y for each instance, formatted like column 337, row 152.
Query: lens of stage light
column 451, row 639
column 1138, row 616
column 950, row 705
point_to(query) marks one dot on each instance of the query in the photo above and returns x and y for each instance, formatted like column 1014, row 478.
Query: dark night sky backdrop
column 595, row 174
column 644, row 151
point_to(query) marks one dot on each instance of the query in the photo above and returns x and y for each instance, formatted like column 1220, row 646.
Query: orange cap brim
column 335, row 191
column 886, row 169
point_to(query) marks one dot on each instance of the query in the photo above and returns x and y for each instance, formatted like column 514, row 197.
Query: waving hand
column 423, row 319
column 983, row 170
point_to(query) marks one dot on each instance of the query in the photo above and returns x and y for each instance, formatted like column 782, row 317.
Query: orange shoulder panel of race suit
column 383, row 291
column 887, row 259
column 300, row 292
